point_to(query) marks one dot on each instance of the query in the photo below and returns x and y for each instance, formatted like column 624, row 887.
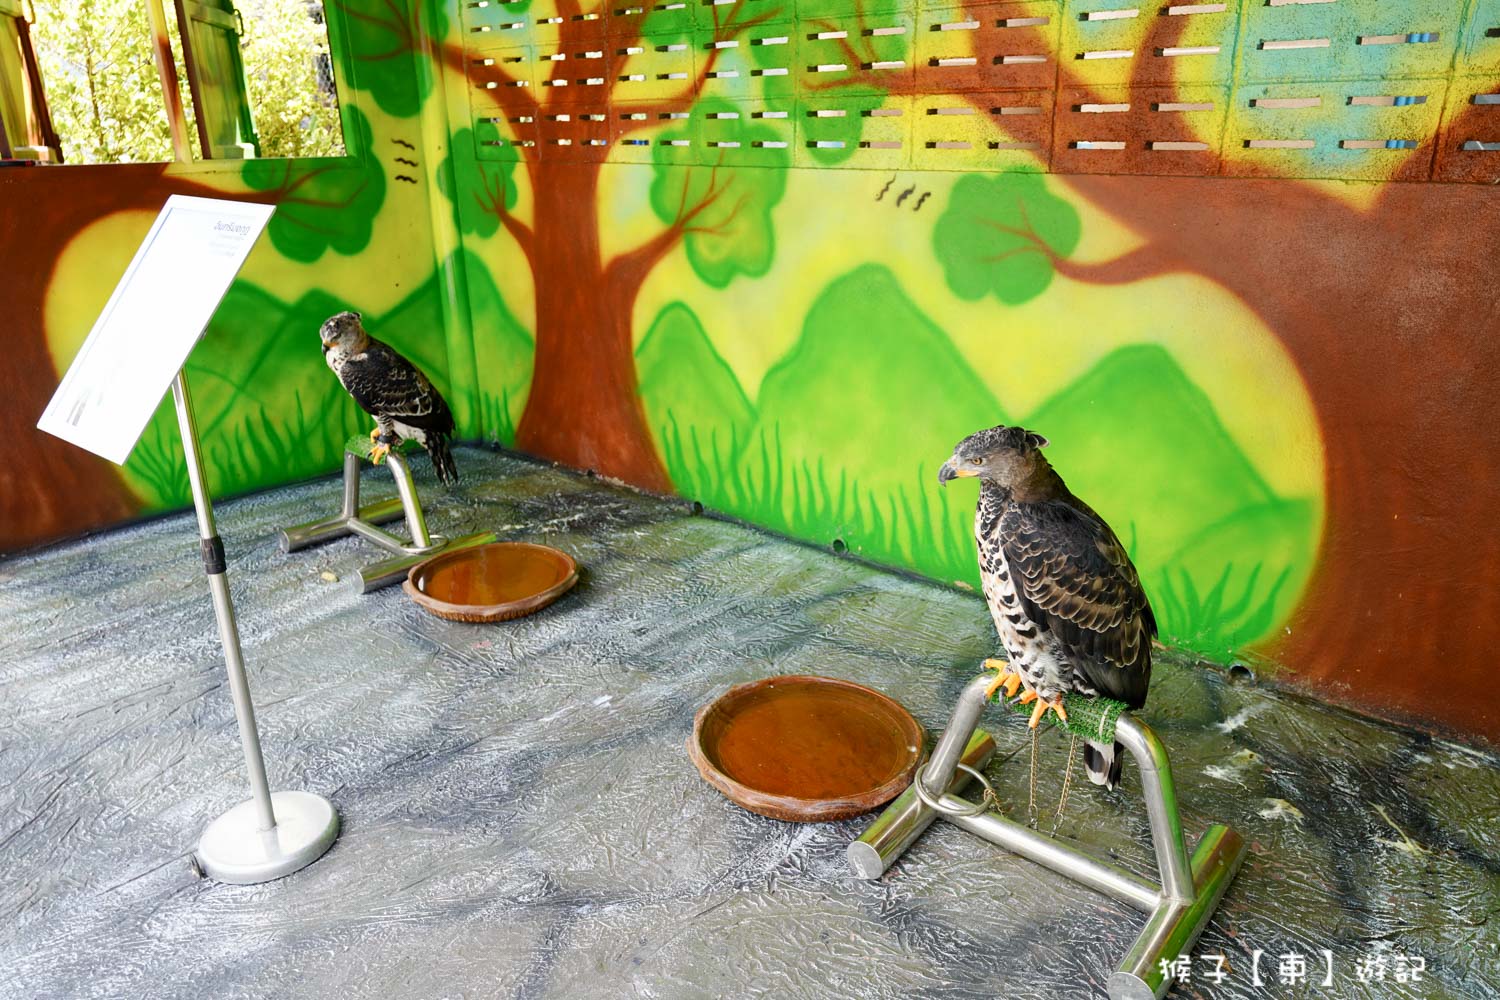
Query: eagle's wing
column 388, row 386
column 1076, row 581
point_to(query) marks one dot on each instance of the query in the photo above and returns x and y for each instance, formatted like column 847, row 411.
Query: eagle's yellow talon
column 1003, row 678
column 1012, row 685
column 378, row 453
column 374, row 434
column 1037, row 713
column 1027, row 698
column 1042, row 705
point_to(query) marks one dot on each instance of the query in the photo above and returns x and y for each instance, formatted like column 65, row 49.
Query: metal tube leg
column 1175, row 926
column 1161, row 807
column 416, row 524
column 945, row 756
column 351, row 486
column 904, row 819
column 229, row 636
column 301, row 536
column 1042, row 849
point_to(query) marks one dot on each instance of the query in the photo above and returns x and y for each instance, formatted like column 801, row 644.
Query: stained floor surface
column 521, row 819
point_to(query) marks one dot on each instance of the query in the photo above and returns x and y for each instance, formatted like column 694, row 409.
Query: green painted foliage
column 725, row 212
column 322, row 205
column 381, row 54
column 845, row 130
column 1000, row 233
column 485, row 189
column 503, row 353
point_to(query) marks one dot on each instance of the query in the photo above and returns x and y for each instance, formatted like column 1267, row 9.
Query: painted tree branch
column 628, row 271
column 1145, row 261
column 512, row 101
column 492, row 200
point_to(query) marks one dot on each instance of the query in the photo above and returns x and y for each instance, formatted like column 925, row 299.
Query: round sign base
column 232, row 849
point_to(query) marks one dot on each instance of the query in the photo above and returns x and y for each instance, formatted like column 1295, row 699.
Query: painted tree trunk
column 583, row 409
column 1367, row 301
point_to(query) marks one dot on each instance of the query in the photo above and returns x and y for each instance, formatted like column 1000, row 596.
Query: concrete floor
column 521, row 819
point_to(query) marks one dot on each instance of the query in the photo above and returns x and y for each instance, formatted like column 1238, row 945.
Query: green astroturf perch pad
column 361, row 445
column 1091, row 718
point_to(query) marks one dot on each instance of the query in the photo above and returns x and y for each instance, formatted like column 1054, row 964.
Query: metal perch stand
column 352, row 519
column 1177, row 910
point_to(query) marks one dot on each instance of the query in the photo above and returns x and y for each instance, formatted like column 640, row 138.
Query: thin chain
column 1062, row 803
column 1031, row 790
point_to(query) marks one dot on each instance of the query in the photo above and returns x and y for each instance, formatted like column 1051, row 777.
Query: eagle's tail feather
column 1103, row 763
column 442, row 458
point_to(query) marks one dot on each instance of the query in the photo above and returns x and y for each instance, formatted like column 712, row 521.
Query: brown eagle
column 1066, row 600
column 403, row 401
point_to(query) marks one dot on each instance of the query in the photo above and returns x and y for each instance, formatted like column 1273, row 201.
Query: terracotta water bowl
column 806, row 749
column 491, row 583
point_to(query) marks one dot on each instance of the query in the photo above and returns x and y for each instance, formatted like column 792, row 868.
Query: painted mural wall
column 1228, row 257
column 1235, row 260
column 267, row 408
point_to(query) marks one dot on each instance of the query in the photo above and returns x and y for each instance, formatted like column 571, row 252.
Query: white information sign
column 155, row 316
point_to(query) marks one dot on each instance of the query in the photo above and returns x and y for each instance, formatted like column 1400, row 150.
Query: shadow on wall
column 1223, row 557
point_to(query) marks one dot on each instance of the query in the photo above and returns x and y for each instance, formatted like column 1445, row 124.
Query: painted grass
column 496, row 422
column 908, row 529
column 264, row 446
column 1213, row 622
column 917, row 530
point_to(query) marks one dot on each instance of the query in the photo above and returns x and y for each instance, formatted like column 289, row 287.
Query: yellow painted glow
column 79, row 287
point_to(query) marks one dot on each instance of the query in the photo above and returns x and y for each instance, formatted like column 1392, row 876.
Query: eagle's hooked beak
column 951, row 470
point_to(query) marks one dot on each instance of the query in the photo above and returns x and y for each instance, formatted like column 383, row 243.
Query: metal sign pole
column 269, row 835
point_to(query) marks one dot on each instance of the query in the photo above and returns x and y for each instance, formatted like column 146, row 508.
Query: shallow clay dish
column 491, row 583
column 806, row 748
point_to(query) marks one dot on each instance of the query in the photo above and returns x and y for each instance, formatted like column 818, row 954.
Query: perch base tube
column 352, row 519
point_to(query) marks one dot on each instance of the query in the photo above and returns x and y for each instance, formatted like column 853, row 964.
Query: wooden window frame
column 207, row 99
column 40, row 140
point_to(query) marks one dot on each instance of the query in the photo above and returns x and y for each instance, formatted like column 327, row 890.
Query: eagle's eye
column 976, row 461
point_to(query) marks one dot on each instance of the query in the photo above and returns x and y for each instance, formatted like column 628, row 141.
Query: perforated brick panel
column 1362, row 89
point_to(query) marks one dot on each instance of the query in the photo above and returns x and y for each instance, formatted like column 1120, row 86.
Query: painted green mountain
column 873, row 387
column 1142, row 443
column 850, row 426
column 685, row 386
column 1221, row 555
column 503, row 352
